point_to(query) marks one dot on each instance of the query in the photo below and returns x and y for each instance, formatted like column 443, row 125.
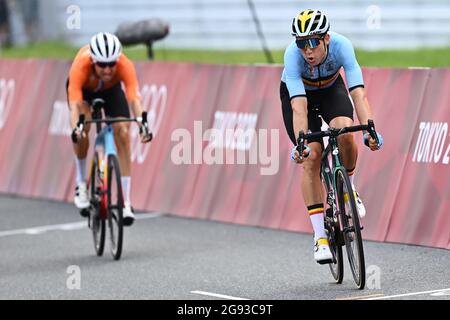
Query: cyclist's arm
column 362, row 107
column 136, row 106
column 300, row 115
column 74, row 108
column 75, row 95
column 294, row 84
column 129, row 78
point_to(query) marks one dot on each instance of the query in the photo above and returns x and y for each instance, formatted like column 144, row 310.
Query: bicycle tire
column 97, row 224
column 352, row 232
column 115, row 207
column 332, row 227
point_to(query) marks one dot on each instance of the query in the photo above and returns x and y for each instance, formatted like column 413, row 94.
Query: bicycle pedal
column 328, row 261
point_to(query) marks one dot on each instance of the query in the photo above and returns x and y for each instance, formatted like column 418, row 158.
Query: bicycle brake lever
column 372, row 132
column 81, row 121
column 301, row 144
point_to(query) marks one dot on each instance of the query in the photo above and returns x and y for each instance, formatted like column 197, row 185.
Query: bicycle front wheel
column 351, row 227
column 332, row 227
column 115, row 207
column 96, row 223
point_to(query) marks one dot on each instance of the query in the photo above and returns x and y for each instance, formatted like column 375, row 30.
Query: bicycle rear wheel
column 351, row 228
column 332, row 228
column 97, row 224
column 115, row 207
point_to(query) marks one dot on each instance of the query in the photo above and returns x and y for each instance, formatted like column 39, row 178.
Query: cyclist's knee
column 346, row 139
column 122, row 133
column 312, row 163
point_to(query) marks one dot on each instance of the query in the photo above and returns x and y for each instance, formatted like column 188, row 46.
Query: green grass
column 44, row 50
column 436, row 58
column 429, row 57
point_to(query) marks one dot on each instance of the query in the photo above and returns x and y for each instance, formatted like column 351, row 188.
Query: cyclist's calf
column 349, row 150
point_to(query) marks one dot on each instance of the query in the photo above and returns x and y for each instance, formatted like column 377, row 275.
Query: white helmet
column 309, row 23
column 105, row 47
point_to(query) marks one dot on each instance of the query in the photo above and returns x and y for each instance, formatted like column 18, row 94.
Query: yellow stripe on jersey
column 320, row 83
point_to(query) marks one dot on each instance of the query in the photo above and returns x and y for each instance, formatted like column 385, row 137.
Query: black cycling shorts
column 328, row 103
column 116, row 104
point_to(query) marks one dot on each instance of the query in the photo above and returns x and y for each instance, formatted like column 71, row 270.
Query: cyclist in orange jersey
column 98, row 71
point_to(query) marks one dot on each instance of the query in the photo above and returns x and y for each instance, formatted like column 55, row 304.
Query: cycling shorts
column 326, row 104
column 116, row 104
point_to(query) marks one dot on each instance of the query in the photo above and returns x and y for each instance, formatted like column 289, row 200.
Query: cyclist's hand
column 372, row 143
column 295, row 155
column 77, row 135
column 146, row 136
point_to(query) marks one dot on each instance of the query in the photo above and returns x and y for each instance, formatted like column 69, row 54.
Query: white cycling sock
column 80, row 169
column 126, row 188
column 317, row 221
column 351, row 179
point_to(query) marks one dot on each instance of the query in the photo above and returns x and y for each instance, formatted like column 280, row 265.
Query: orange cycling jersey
column 82, row 76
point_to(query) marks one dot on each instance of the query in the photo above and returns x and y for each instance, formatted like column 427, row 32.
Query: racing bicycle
column 104, row 182
column 342, row 223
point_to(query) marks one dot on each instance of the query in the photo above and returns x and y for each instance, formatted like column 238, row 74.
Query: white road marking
column 441, row 293
column 65, row 226
column 409, row 294
column 361, row 297
column 217, row 295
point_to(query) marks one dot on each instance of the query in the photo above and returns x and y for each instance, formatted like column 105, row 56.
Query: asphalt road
column 47, row 253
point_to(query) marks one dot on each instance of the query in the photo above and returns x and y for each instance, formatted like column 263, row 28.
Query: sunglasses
column 105, row 64
column 312, row 43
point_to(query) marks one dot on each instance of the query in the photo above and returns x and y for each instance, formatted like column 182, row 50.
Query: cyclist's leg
column 346, row 142
column 337, row 111
column 80, row 148
column 116, row 106
column 312, row 188
column 310, row 182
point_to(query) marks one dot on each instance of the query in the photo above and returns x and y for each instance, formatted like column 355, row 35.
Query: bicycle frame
column 336, row 161
column 104, row 146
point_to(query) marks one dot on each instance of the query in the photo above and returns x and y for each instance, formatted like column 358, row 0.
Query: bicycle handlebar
column 141, row 120
column 334, row 132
